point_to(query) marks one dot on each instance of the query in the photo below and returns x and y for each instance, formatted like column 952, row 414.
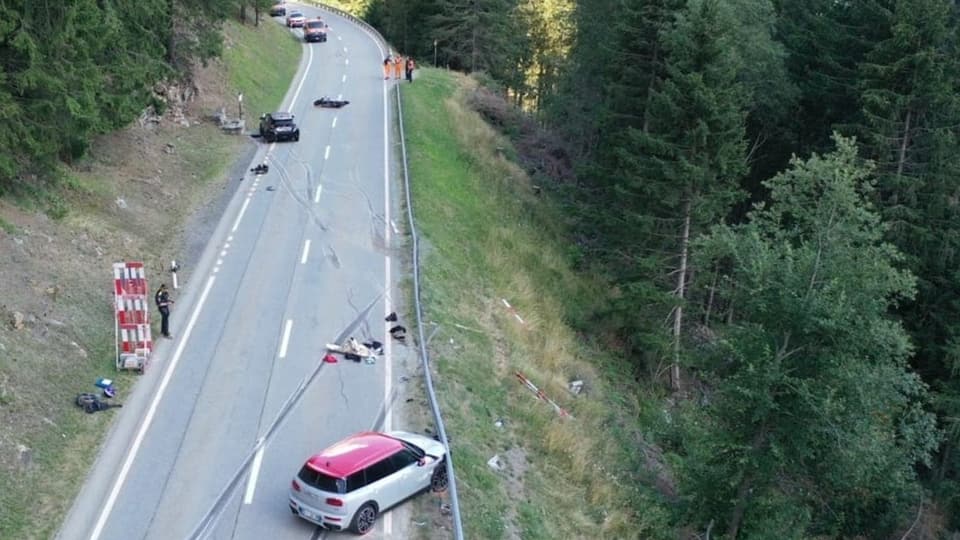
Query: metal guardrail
column 424, row 355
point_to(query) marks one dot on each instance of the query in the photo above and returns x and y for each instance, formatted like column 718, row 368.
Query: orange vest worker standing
column 386, row 67
column 398, row 67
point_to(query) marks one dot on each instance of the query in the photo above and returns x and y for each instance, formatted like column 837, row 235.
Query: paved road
column 300, row 258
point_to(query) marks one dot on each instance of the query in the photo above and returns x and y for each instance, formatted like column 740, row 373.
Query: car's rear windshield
column 283, row 121
column 294, row 14
column 318, row 480
column 315, row 24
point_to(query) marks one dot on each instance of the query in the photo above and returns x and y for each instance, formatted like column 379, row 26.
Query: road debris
column 542, row 396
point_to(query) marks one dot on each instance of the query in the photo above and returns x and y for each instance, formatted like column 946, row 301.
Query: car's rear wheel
column 438, row 482
column 270, row 137
column 296, row 136
column 364, row 519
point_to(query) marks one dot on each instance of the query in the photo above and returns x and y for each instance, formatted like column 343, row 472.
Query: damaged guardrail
column 424, row 355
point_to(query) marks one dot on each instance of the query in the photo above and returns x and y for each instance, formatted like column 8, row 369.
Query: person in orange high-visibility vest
column 398, row 67
column 386, row 67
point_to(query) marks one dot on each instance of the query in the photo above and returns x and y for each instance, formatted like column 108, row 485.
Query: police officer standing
column 162, row 298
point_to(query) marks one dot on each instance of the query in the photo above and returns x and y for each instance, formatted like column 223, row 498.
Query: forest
column 771, row 188
column 72, row 69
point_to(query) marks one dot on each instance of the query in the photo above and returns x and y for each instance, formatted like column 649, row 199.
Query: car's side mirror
column 421, row 462
column 262, row 116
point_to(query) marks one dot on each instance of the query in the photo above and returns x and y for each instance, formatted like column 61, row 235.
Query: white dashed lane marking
column 286, row 339
column 252, row 480
column 306, row 252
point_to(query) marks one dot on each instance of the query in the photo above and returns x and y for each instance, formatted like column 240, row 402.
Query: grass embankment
column 127, row 201
column 488, row 237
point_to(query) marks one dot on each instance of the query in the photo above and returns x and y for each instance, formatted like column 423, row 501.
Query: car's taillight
column 334, row 502
column 295, row 485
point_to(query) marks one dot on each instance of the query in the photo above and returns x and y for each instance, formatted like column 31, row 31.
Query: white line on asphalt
column 286, row 339
column 219, row 262
column 316, row 197
column 339, row 37
column 334, row 124
column 339, row 96
column 223, row 253
column 230, row 238
column 138, row 440
column 388, row 363
column 326, row 153
column 240, row 215
column 347, row 61
column 344, row 49
column 344, row 78
column 306, row 251
column 252, row 479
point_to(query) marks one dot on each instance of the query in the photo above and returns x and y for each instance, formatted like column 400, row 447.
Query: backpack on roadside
column 90, row 403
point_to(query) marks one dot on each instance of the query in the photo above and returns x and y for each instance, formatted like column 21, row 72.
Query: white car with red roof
column 348, row 485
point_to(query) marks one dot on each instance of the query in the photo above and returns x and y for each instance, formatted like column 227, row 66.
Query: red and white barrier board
column 132, row 321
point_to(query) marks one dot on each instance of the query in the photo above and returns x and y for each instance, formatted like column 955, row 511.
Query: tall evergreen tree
column 911, row 114
column 483, row 35
column 813, row 423
column 826, row 41
column 677, row 173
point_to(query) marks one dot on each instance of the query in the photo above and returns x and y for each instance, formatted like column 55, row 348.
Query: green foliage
column 675, row 174
column 910, row 111
column 75, row 68
column 810, row 397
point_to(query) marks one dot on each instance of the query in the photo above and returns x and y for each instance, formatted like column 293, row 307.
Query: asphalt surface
column 208, row 442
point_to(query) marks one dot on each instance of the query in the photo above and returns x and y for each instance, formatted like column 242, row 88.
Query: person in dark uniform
column 162, row 298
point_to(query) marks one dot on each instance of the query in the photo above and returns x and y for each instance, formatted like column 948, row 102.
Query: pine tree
column 679, row 171
column 911, row 111
column 813, row 424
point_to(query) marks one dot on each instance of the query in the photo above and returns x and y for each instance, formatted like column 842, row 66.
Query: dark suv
column 278, row 126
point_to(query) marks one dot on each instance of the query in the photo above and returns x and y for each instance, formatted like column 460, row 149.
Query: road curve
column 231, row 407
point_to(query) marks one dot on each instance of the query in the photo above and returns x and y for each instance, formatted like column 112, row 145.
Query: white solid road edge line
column 326, row 152
column 286, row 338
column 252, row 480
column 316, row 198
column 148, row 419
column 240, row 215
column 306, row 251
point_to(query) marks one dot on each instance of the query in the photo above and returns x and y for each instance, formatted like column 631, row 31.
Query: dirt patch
column 515, row 468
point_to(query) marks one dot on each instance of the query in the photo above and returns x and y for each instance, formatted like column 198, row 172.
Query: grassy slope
column 40, row 370
column 488, row 237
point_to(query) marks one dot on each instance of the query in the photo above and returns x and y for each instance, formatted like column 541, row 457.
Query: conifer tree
column 813, row 423
column 678, row 172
